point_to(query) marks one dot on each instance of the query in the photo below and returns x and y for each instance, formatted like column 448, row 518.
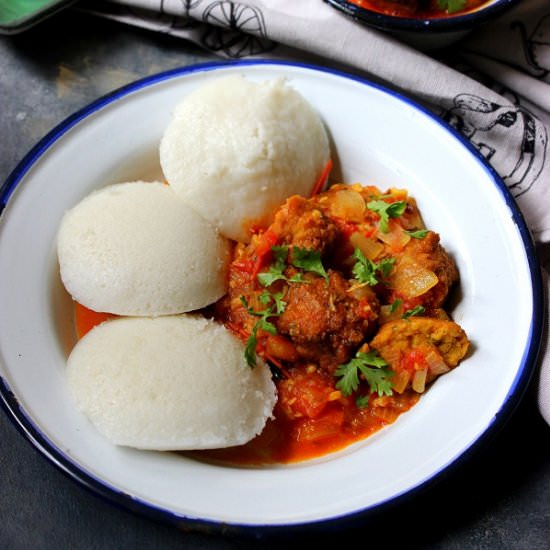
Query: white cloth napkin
column 494, row 86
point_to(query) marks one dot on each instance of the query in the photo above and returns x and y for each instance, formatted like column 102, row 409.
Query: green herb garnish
column 417, row 310
column 418, row 234
column 365, row 270
column 277, row 267
column 275, row 306
column 387, row 210
column 308, row 260
column 302, row 258
column 396, row 305
column 451, row 6
column 372, row 368
column 362, row 401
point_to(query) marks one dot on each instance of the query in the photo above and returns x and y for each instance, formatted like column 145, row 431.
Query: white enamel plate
column 378, row 138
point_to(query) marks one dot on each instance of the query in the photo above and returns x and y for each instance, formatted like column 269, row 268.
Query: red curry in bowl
column 343, row 296
column 420, row 9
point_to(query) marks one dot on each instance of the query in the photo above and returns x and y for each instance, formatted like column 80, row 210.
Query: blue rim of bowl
column 452, row 23
column 30, row 429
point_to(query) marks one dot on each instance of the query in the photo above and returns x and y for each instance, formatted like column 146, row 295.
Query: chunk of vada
column 420, row 349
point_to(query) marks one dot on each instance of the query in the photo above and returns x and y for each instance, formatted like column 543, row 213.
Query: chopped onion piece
column 370, row 248
column 396, row 237
column 436, row 364
column 413, row 280
column 347, row 204
column 360, row 291
column 400, row 381
column 419, row 380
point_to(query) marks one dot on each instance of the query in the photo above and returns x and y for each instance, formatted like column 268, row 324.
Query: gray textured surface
column 499, row 499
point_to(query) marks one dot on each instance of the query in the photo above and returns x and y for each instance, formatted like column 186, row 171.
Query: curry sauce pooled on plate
column 343, row 295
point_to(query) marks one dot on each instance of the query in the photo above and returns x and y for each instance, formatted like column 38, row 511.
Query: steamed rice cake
column 137, row 249
column 169, row 383
column 236, row 149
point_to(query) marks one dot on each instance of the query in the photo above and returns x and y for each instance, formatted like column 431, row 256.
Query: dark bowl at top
column 423, row 31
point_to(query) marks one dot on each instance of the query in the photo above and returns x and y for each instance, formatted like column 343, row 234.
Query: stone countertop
column 499, row 498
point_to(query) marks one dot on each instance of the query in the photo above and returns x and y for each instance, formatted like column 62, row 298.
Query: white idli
column 137, row 249
column 169, row 383
column 236, row 149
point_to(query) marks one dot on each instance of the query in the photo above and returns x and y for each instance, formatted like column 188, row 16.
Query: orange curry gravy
column 320, row 320
column 299, row 298
column 421, row 9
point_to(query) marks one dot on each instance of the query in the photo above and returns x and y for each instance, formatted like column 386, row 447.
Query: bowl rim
column 461, row 22
column 40, row 441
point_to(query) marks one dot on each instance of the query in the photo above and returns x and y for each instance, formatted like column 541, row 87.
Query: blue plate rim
column 41, row 442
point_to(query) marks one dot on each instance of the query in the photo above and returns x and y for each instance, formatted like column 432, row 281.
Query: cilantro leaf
column 418, row 234
column 244, row 302
column 365, row 270
column 279, row 304
column 378, row 379
column 302, row 258
column 308, row 260
column 277, row 267
column 298, row 278
column 264, row 298
column 396, row 304
column 417, row 310
column 250, row 347
column 451, row 6
column 276, row 306
column 387, row 210
column 349, row 377
column 384, row 266
column 269, row 277
column 267, row 326
column 371, row 367
column 362, row 401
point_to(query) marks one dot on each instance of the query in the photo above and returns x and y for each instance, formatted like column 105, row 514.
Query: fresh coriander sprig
column 277, row 267
column 372, row 368
column 308, row 260
column 417, row 310
column 396, row 304
column 301, row 258
column 275, row 306
column 387, row 210
column 365, row 270
column 418, row 234
column 451, row 6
